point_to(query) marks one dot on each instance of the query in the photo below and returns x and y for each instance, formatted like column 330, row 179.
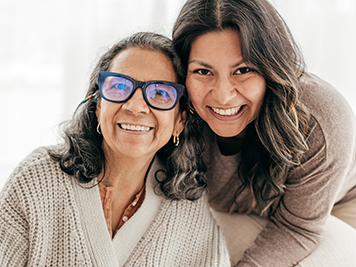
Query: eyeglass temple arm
column 88, row 97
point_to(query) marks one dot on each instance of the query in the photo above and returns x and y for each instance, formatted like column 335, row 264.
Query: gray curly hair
column 82, row 155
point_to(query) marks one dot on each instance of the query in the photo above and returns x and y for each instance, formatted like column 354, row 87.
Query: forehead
column 225, row 42
column 144, row 65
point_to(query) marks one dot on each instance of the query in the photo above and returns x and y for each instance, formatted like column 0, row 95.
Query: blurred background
column 48, row 48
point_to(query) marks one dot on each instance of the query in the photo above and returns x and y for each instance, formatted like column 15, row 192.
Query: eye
column 161, row 93
column 119, row 86
column 203, row 72
column 243, row 70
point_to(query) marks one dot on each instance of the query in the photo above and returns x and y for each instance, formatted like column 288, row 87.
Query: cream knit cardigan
column 48, row 219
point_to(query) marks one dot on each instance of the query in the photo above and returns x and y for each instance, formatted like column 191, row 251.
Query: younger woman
column 281, row 142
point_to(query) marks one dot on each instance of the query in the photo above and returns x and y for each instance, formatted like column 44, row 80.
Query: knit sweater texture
column 325, row 177
column 48, row 219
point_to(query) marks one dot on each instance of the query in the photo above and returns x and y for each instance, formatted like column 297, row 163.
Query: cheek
column 192, row 87
column 98, row 110
column 256, row 89
column 257, row 96
column 261, row 94
column 100, row 114
column 166, row 125
column 196, row 92
column 107, row 112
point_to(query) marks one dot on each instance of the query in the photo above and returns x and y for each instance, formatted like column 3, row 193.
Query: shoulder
column 37, row 163
column 331, row 134
column 35, row 175
column 325, row 103
column 332, row 118
column 35, row 158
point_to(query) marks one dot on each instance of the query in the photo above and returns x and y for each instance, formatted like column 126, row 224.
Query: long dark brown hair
column 81, row 155
column 278, row 136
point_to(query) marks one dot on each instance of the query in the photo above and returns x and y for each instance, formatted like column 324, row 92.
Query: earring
column 98, row 128
column 176, row 140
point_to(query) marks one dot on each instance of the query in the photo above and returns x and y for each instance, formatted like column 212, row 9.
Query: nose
column 137, row 104
column 224, row 90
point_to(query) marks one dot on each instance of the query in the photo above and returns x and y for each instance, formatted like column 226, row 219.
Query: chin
column 220, row 131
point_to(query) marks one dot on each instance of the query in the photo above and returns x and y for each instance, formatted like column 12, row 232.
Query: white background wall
column 48, row 47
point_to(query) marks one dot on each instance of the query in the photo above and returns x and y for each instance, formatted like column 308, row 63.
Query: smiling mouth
column 138, row 128
column 229, row 111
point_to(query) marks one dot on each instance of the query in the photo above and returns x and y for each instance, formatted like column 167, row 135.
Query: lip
column 228, row 118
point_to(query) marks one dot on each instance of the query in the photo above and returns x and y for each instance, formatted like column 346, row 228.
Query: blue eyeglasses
column 119, row 88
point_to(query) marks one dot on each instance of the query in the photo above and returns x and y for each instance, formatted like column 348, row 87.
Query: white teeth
column 227, row 112
column 134, row 127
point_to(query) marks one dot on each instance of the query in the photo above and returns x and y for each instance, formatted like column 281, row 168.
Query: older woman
column 120, row 190
column 281, row 142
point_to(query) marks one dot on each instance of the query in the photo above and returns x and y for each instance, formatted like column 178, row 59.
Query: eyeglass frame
column 139, row 84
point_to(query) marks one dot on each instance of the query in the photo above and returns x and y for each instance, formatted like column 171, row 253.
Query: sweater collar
column 107, row 252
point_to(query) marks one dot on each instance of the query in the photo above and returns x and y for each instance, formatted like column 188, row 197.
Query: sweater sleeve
column 14, row 242
column 296, row 225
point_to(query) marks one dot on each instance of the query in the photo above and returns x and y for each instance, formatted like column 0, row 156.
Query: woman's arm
column 14, row 242
column 296, row 226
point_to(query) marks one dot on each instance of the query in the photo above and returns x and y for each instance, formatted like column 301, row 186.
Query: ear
column 180, row 123
column 98, row 109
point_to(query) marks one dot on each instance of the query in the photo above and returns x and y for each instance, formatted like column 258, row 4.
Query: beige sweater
column 48, row 219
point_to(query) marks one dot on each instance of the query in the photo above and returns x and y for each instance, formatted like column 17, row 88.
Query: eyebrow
column 238, row 63
column 201, row 63
column 206, row 65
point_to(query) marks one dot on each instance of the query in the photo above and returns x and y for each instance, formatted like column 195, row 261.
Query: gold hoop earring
column 98, row 128
column 176, row 140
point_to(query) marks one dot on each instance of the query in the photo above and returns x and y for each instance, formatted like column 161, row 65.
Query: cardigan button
column 125, row 218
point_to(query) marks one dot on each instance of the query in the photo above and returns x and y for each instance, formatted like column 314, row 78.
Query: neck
column 126, row 175
column 231, row 145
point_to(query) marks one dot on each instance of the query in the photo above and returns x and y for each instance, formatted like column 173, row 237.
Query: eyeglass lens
column 157, row 94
